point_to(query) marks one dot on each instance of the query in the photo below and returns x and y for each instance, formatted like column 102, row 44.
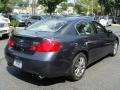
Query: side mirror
column 109, row 31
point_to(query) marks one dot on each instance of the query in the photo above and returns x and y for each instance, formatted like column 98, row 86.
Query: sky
column 71, row 1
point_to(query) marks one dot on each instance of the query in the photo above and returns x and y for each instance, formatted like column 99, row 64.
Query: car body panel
column 54, row 64
column 4, row 27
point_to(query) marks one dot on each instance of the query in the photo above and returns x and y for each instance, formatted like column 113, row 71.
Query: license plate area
column 17, row 63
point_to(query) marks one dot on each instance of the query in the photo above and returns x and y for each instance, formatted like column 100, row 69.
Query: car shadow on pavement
column 33, row 79
column 108, row 56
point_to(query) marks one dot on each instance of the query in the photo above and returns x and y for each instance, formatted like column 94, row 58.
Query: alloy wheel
column 115, row 48
column 79, row 67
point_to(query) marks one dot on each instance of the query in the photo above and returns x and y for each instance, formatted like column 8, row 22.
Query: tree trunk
column 50, row 13
column 101, row 10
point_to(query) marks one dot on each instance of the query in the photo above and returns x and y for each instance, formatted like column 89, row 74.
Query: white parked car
column 105, row 21
column 4, row 26
column 2, row 17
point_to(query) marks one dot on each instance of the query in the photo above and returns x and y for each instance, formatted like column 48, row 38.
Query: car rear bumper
column 21, row 23
column 4, row 31
column 44, row 68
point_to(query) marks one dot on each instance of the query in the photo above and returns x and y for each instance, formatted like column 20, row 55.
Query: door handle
column 107, row 43
column 85, row 39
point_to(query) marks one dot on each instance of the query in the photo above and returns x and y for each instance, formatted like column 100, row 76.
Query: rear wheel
column 78, row 67
column 29, row 24
column 115, row 48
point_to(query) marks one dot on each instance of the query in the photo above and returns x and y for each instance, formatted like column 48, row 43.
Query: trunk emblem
column 21, row 41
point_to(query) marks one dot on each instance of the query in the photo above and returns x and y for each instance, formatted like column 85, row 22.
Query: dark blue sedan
column 62, row 47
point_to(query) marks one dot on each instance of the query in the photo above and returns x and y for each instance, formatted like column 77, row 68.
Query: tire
column 1, row 36
column 29, row 24
column 78, row 67
column 115, row 48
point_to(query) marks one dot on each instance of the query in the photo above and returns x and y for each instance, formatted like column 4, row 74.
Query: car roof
column 77, row 18
column 72, row 19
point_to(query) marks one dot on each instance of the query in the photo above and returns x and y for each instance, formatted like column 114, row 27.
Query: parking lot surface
column 103, row 75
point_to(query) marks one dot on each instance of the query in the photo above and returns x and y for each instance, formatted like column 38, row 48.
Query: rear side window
column 36, row 17
column 85, row 29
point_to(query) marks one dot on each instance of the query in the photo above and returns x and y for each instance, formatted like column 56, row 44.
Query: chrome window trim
column 76, row 25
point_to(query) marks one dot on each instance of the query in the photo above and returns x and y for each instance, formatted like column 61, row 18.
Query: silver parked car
column 105, row 21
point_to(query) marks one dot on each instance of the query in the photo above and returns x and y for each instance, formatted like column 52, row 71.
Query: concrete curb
column 115, row 24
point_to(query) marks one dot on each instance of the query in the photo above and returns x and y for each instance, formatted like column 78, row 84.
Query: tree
column 64, row 5
column 79, row 8
column 115, row 7
column 102, row 4
column 106, row 6
column 50, row 4
column 6, row 5
column 5, row 8
column 110, row 6
column 88, row 6
column 19, row 2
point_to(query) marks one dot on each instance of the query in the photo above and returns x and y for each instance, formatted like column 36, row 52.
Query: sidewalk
column 17, row 28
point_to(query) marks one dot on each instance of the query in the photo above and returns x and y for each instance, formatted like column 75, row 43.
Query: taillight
column 46, row 46
column 10, row 42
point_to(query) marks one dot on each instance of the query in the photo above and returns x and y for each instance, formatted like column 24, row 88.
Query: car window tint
column 85, row 29
column 80, row 28
column 48, row 26
column 36, row 17
column 89, row 30
column 40, row 18
column 11, row 17
column 99, row 28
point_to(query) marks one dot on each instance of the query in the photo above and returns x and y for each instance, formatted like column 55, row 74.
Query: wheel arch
column 117, row 40
column 84, row 52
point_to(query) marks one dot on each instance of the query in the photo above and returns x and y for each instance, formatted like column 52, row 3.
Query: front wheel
column 78, row 67
column 115, row 48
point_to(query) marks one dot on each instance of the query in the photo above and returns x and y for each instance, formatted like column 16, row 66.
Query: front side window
column 85, row 29
column 99, row 28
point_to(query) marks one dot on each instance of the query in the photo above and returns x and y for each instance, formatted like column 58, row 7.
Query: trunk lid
column 25, row 39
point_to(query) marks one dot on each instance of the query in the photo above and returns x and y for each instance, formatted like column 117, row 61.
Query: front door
column 105, row 38
column 91, row 40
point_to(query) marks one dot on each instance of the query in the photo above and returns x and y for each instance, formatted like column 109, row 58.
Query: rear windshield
column 22, row 16
column 50, row 26
column 36, row 17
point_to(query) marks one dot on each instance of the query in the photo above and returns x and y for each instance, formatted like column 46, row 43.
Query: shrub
column 14, row 23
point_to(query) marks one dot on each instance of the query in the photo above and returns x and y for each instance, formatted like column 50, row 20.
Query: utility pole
column 74, row 6
column 88, row 8
column 33, row 7
column 92, row 6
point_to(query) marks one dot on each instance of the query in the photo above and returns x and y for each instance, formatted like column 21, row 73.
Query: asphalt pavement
column 103, row 75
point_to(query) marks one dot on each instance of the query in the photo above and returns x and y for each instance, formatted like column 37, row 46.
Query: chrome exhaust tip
column 41, row 77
